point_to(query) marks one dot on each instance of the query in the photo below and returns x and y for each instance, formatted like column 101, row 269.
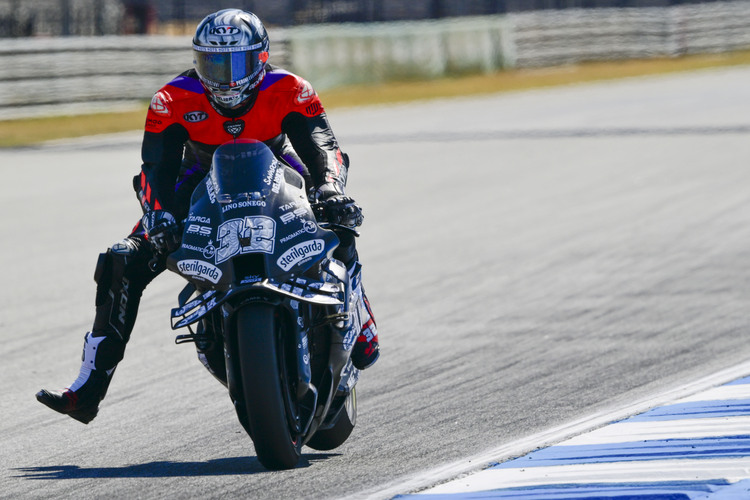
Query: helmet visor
column 225, row 67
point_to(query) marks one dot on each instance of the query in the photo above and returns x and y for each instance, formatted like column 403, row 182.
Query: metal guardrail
column 74, row 75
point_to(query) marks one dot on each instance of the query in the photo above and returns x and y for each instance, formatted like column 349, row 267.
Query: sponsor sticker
column 277, row 181
column 288, row 206
column 242, row 204
column 198, row 229
column 152, row 123
column 159, row 105
column 271, row 174
column 313, row 109
column 234, row 127
column 200, row 270
column 305, row 93
column 195, row 116
column 290, row 216
column 211, row 190
column 299, row 253
column 307, row 227
column 199, row 218
column 224, row 30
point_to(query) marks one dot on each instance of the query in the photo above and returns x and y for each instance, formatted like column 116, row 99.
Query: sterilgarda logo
column 199, row 269
column 300, row 252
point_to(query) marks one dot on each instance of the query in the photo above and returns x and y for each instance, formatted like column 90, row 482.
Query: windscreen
column 245, row 171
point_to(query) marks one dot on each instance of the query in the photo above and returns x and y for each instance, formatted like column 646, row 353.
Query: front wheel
column 328, row 439
column 265, row 382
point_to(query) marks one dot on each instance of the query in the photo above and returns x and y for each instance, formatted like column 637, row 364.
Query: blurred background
column 125, row 17
column 78, row 56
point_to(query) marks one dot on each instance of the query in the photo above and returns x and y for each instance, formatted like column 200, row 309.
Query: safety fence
column 80, row 74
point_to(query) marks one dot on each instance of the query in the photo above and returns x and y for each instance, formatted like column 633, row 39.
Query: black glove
column 339, row 210
column 162, row 231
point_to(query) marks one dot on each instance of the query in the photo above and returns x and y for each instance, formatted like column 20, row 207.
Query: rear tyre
column 334, row 437
column 266, row 382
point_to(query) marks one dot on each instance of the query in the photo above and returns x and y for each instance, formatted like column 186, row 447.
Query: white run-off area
column 532, row 259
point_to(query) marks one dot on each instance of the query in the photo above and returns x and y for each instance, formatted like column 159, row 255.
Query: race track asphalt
column 531, row 258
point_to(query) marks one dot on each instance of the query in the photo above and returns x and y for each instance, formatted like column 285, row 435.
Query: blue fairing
column 249, row 220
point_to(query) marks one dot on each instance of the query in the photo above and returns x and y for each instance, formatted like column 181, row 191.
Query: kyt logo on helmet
column 224, row 30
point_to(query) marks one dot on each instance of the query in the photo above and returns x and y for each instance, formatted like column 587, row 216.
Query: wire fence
column 24, row 18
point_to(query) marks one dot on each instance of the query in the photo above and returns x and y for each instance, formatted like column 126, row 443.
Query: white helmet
column 230, row 51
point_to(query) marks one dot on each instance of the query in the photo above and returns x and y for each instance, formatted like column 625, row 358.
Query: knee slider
column 112, row 264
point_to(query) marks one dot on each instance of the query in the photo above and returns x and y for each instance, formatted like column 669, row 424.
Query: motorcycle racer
column 231, row 93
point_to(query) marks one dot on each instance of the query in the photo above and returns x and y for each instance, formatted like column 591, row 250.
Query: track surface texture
column 531, row 258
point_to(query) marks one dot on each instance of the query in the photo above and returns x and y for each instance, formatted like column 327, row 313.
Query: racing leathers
column 182, row 130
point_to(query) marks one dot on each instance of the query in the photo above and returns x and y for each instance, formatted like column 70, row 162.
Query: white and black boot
column 81, row 399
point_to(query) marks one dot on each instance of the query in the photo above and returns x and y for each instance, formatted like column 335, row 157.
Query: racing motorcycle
column 267, row 305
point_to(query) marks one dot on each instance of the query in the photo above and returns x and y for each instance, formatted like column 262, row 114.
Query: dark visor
column 217, row 66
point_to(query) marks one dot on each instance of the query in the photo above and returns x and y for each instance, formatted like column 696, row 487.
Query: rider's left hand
column 340, row 210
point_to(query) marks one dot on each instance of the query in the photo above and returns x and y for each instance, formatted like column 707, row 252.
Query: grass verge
column 25, row 132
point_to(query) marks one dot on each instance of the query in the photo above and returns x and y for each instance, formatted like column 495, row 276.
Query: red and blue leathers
column 183, row 129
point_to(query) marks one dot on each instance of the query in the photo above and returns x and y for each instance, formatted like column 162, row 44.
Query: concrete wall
column 73, row 75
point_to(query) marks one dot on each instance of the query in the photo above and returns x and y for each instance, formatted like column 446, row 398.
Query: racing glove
column 162, row 231
column 339, row 210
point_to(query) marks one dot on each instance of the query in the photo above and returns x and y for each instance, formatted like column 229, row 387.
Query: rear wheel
column 328, row 439
column 266, row 382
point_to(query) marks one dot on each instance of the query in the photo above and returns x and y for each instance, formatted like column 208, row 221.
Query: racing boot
column 122, row 273
column 80, row 400
column 366, row 349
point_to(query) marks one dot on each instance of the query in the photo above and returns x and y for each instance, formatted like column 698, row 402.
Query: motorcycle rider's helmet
column 230, row 51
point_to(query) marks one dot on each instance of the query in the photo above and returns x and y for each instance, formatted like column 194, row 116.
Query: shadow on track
column 218, row 467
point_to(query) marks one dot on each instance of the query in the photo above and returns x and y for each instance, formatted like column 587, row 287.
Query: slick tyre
column 271, row 409
column 328, row 439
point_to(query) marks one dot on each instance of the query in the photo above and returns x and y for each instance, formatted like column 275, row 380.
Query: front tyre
column 328, row 439
column 265, row 383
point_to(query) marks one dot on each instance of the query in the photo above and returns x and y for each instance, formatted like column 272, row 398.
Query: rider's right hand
column 162, row 231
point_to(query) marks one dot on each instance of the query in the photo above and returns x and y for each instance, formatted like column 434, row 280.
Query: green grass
column 31, row 131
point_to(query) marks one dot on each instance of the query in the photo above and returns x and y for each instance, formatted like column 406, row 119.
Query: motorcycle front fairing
column 250, row 220
column 251, row 234
column 250, row 226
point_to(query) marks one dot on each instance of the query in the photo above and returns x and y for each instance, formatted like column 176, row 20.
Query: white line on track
column 730, row 469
